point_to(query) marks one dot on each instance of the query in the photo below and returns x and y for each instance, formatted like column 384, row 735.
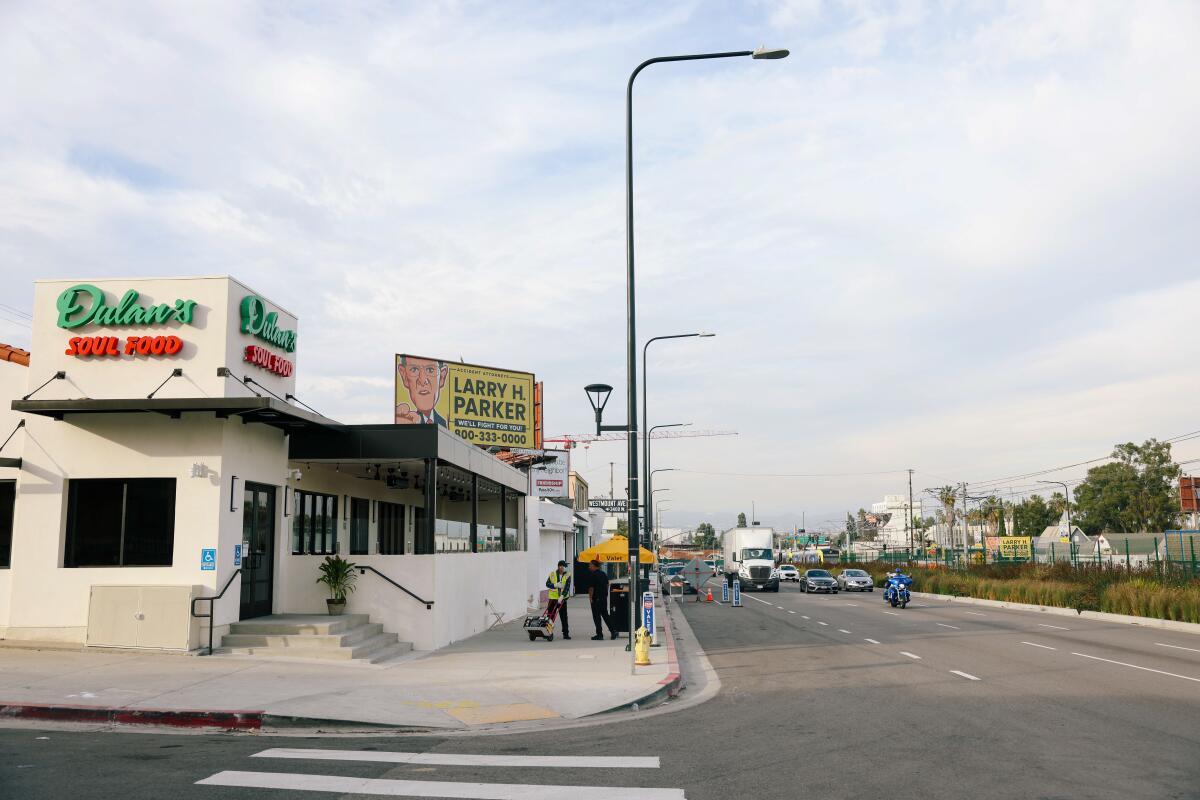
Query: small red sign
column 262, row 357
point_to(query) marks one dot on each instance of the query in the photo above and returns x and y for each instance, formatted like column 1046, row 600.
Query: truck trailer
column 750, row 558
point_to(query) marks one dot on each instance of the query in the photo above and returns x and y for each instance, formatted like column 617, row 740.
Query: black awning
column 266, row 410
column 364, row 442
column 14, row 463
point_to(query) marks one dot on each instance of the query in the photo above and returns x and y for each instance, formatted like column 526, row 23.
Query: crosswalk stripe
column 385, row 787
column 464, row 759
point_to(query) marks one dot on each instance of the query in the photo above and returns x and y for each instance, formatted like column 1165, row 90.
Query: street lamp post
column 631, row 309
column 650, row 529
column 649, row 473
column 1067, row 494
column 645, row 411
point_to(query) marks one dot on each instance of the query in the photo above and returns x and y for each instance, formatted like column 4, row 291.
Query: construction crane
column 572, row 440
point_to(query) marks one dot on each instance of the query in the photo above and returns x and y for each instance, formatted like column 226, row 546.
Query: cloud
column 957, row 237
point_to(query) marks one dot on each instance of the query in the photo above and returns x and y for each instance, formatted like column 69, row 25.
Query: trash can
column 618, row 608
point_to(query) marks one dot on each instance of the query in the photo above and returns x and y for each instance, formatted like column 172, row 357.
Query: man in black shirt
column 598, row 594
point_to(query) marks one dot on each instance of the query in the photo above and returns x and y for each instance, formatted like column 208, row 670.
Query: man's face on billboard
column 424, row 381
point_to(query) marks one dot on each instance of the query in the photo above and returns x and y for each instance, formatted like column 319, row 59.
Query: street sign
column 737, row 593
column 610, row 505
column 208, row 559
column 237, row 555
column 648, row 614
column 725, row 590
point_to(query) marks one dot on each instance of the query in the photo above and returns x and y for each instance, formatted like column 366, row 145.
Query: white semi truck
column 750, row 558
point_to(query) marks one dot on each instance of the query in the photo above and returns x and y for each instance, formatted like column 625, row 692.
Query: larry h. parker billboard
column 483, row 405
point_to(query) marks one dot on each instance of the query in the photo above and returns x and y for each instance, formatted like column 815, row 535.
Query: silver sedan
column 855, row 580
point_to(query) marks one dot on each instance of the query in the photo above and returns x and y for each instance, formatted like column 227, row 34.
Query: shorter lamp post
column 1067, row 495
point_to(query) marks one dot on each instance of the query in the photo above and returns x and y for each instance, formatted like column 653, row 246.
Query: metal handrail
column 209, row 615
column 362, row 570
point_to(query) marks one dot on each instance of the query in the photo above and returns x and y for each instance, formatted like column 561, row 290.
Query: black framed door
column 258, row 561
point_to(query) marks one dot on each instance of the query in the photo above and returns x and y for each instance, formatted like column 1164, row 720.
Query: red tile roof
column 14, row 354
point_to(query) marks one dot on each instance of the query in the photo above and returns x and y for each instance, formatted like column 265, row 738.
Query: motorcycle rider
column 893, row 581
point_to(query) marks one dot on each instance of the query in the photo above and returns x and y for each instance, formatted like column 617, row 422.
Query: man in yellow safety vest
column 559, row 584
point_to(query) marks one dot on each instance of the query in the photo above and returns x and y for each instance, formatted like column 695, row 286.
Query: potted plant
column 338, row 574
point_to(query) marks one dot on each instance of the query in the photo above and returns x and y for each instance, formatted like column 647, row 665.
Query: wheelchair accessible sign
column 208, row 559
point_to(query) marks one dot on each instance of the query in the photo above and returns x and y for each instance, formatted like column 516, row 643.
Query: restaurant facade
column 158, row 453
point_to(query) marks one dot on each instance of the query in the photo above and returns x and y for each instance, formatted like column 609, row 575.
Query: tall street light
column 631, row 306
column 650, row 531
column 645, row 388
column 1067, row 493
column 649, row 473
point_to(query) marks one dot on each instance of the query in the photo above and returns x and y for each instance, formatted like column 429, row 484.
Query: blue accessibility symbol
column 208, row 558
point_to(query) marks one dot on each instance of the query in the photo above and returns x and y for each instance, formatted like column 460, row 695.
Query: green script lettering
column 72, row 312
column 257, row 322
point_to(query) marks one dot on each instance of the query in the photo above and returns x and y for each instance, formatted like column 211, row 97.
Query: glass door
column 258, row 560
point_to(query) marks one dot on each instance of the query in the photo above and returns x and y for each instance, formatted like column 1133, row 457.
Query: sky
column 953, row 237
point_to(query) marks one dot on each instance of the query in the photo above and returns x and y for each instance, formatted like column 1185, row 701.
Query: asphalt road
column 821, row 696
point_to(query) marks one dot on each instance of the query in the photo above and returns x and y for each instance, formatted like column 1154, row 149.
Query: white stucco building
column 163, row 450
column 895, row 532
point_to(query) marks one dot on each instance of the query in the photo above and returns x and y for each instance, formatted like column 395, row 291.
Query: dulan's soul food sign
column 85, row 304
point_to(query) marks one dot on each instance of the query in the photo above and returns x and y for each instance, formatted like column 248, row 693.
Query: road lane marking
column 944, row 625
column 910, row 655
column 1035, row 644
column 842, row 630
column 791, row 612
column 752, row 597
column 826, row 624
column 1135, row 666
column 966, row 675
column 1177, row 647
column 893, row 613
column 440, row 789
column 975, row 613
column 779, row 607
column 805, row 616
column 872, row 641
column 852, row 604
column 463, row 759
column 1056, row 627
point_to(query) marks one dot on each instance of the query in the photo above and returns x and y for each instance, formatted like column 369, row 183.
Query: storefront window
column 452, row 528
column 514, row 520
column 391, row 529
column 488, row 526
column 8, row 496
column 314, row 525
column 120, row 522
column 360, row 526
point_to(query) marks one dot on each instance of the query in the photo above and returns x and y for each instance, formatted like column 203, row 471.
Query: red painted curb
column 674, row 680
column 225, row 720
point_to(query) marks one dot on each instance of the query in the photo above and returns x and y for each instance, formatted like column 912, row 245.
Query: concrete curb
column 1099, row 616
column 223, row 720
column 668, row 687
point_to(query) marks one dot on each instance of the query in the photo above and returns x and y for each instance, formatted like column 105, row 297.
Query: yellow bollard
column 641, row 648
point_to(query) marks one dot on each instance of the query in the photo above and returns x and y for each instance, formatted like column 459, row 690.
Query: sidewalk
column 495, row 677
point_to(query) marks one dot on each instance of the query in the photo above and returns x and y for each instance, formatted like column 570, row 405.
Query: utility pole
column 966, row 524
column 910, row 514
column 610, row 479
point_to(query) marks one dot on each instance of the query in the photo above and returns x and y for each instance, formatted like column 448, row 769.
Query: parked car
column 818, row 580
column 789, row 573
column 855, row 580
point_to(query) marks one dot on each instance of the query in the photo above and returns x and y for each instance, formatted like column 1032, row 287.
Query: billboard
column 482, row 405
column 549, row 478
column 1015, row 546
column 1189, row 493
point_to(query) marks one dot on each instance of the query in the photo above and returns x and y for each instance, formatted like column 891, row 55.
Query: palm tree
column 948, row 497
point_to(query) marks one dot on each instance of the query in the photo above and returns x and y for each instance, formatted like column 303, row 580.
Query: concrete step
column 298, row 624
column 349, row 637
column 304, row 641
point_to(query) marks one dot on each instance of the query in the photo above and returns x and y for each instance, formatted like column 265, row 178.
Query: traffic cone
column 708, row 599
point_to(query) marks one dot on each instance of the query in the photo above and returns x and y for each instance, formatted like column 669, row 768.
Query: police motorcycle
column 895, row 589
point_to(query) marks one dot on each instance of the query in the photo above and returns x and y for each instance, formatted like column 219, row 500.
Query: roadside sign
column 610, row 505
column 725, row 590
column 208, row 559
column 237, row 555
column 737, row 593
column 648, row 614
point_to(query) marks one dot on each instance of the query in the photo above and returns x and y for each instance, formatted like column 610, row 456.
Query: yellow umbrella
column 615, row 549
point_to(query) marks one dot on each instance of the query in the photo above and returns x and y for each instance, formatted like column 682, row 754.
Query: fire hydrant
column 641, row 647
